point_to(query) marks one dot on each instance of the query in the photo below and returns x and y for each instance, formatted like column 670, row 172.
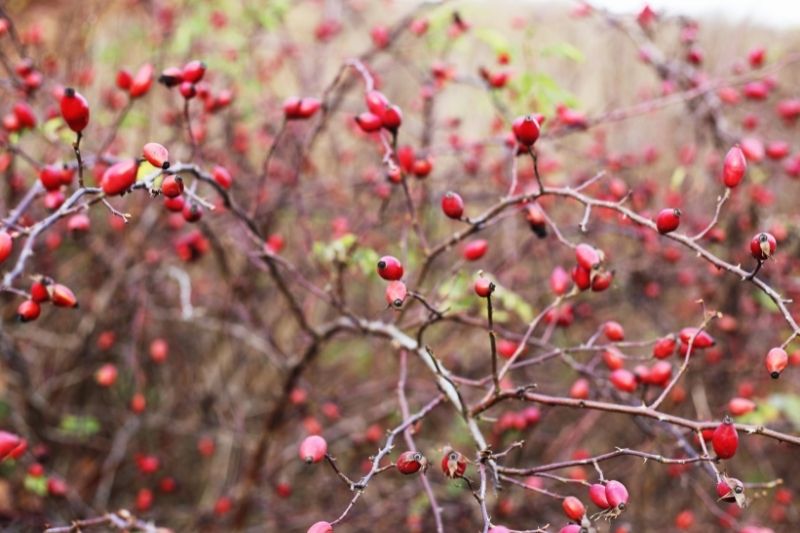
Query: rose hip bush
column 350, row 266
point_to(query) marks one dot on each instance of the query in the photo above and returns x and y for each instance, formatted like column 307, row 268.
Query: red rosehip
column 476, row 249
column 454, row 464
column 222, row 176
column 320, row 527
column 193, row 71
column 602, row 280
column 411, row 462
column 452, row 205
column 623, row 380
column 390, row 268
column 483, row 287
column 156, row 155
column 702, row 339
column 659, row 374
column 307, row 107
column 192, row 212
column 376, row 102
column 614, row 331
column 159, row 350
column 573, row 508
column 369, row 122
column 25, row 115
column 734, row 167
column 119, row 177
column 78, row 223
column 9, row 443
column 391, row 117
column 668, row 220
column 313, row 449
column 138, row 403
column 559, row 281
column 6, row 245
column 616, row 494
column 526, row 130
column 124, row 79
column 664, row 347
column 28, row 310
column 39, row 292
column 597, row 493
column 187, row 90
column 74, row 110
column 572, row 528
column 172, row 186
column 776, row 361
column 579, row 389
column 741, row 406
column 396, row 292
column 582, row 277
column 587, row 256
column 725, row 439
column 141, row 81
column 62, row 296
column 421, row 167
column 174, row 204
column 106, row 375
column 762, row 246
column 56, row 487
column 170, row 77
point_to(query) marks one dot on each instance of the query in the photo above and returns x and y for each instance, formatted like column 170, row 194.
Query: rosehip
column 369, row 122
column 124, row 79
column 74, row 110
column 623, row 380
column 172, row 186
column 222, row 176
column 192, row 212
column 476, row 249
column 313, row 449
column 28, row 310
column 9, row 443
column 526, row 130
column 320, row 527
column 664, row 347
column 193, row 71
column 187, row 90
column 391, row 117
column 725, row 439
column 483, row 287
column 573, row 508
column 597, row 493
column 106, row 375
column 454, row 464
column 734, row 167
column 452, row 205
column 582, row 277
column 587, row 256
column 156, row 155
column 62, row 296
column 410, row 462
column 701, row 338
column 119, row 177
column 39, row 292
column 6, row 245
column 668, row 220
column 396, row 293
column 376, row 102
column 616, row 494
column 602, row 280
column 762, row 246
column 390, row 268
column 776, row 361
column 613, row 331
column 141, row 81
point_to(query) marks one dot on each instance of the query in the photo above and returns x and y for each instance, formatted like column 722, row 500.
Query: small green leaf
column 496, row 40
column 36, row 485
column 765, row 301
column 564, row 50
column 678, row 175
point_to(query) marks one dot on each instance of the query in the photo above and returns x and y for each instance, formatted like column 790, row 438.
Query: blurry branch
column 121, row 520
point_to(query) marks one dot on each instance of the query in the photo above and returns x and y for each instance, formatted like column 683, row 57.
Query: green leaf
column 765, row 301
column 564, row 50
column 678, row 175
column 789, row 405
column 79, row 426
column 37, row 485
column 496, row 40
column 512, row 301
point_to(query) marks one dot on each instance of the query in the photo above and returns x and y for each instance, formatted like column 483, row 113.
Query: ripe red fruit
column 138, row 403
column 526, row 130
column 559, row 281
column 613, row 358
column 582, row 277
column 170, row 77
column 124, row 79
column 192, row 212
column 762, row 246
column 659, row 374
column 142, row 81
column 376, row 102
column 664, row 347
column 776, row 361
column 193, row 71
column 587, row 256
column 483, row 287
column 725, row 439
column 452, row 205
column 597, row 493
column 313, row 449
column 613, row 331
column 741, row 406
column 602, row 280
column 616, row 494
column 390, row 268
column 156, row 155
column 396, row 292
column 39, row 292
column 74, row 110
column 106, row 375
column 572, row 528
column 159, row 350
column 187, row 90
column 6, row 245
column 536, row 220
column 734, row 167
column 62, row 296
column 172, row 186
column 320, row 527
column 454, row 464
column 28, row 310
column 369, row 122
column 410, row 462
column 391, row 117
column 476, row 249
column 78, row 223
column 421, row 167
column 623, row 380
column 668, row 220
column 174, row 204
column 702, row 339
column 579, row 389
column 56, row 487
column 9, row 444
column 573, row 508
column 119, row 177
column 25, row 115
column 222, row 176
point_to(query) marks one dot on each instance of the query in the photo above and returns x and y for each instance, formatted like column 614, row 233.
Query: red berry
column 668, row 220
column 526, row 130
column 74, row 110
column 62, row 296
column 39, row 292
column 390, row 268
column 9, row 444
column 222, row 176
column 579, row 389
column 411, row 462
column 616, row 494
column 613, row 331
column 559, row 281
column 587, row 256
column 6, row 245
column 659, row 374
column 476, row 249
column 56, row 487
column 187, row 90
column 25, row 115
column 602, row 280
column 313, row 449
column 454, row 464
column 170, row 77
column 119, row 177
column 391, row 117
column 725, row 439
column 308, row 106
column 776, row 361
column 172, row 186
column 573, row 508
column 582, row 277
column 623, row 380
column 613, row 358
column 144, row 499
column 376, row 102
column 193, row 71
column 396, row 292
column 106, row 375
column 124, row 79
column 78, row 223
column 156, row 155
column 369, row 122
column 453, row 205
column 664, row 347
column 320, row 527
column 174, row 204
column 734, row 167
column 28, row 310
column 192, row 212
column 597, row 493
column 762, row 246
column 422, row 167
column 142, row 81
column 483, row 287
column 702, row 339
column 741, row 406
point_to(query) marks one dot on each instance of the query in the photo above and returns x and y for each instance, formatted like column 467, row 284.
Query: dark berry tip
column 775, row 375
column 381, row 264
column 69, row 92
column 165, row 165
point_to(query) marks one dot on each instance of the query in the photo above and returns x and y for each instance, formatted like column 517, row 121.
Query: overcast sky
column 784, row 13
